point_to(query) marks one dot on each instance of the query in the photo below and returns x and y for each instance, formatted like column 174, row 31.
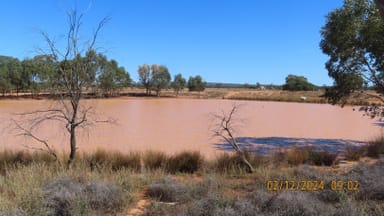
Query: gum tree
column 353, row 38
column 178, row 83
column 160, row 78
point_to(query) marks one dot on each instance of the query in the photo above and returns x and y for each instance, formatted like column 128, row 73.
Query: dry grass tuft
column 185, row 162
column 155, row 160
column 297, row 156
column 233, row 163
column 353, row 154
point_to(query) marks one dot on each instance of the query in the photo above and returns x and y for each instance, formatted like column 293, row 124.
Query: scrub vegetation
column 112, row 183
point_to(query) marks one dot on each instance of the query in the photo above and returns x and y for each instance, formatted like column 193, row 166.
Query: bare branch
column 28, row 133
column 102, row 23
column 224, row 130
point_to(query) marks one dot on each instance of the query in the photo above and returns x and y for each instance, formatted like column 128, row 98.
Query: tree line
column 157, row 77
column 105, row 77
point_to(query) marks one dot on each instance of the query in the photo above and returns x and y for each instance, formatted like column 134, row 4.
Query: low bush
column 371, row 186
column 297, row 203
column 62, row 197
column 104, row 197
column 155, row 160
column 322, row 158
column 66, row 196
column 296, row 156
column 167, row 190
column 208, row 205
column 185, row 162
column 375, row 147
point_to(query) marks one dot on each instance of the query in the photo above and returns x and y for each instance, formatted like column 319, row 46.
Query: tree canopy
column 111, row 77
column 178, row 83
column 297, row 83
column 353, row 38
column 160, row 78
column 196, row 83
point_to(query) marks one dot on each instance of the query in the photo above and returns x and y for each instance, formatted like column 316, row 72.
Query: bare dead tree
column 75, row 68
column 224, row 128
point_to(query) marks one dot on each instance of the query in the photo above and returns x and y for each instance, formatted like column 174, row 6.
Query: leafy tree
column 196, row 84
column 297, row 83
column 160, row 78
column 353, row 38
column 144, row 72
column 112, row 78
column 5, row 84
column 19, row 77
column 13, row 74
column 39, row 70
column 178, row 83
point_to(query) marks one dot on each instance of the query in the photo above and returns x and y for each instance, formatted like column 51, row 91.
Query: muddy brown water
column 174, row 125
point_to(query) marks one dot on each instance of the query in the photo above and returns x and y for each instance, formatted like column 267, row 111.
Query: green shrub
column 185, row 162
column 155, row 160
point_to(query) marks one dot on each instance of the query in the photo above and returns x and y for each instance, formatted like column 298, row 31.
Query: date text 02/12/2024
column 311, row 185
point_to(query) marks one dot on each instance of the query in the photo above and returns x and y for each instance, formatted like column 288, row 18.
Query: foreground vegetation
column 112, row 183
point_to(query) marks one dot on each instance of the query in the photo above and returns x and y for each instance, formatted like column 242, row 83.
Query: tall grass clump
column 155, row 160
column 96, row 159
column 24, row 158
column 185, row 162
column 126, row 161
column 375, row 147
column 114, row 160
column 233, row 163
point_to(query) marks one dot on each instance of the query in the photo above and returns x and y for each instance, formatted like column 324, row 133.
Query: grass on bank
column 109, row 183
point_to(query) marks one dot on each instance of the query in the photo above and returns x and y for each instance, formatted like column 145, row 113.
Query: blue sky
column 243, row 41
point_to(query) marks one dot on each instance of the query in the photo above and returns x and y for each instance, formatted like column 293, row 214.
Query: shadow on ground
column 266, row 145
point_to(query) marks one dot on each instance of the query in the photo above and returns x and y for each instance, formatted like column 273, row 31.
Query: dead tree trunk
column 72, row 152
column 224, row 129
